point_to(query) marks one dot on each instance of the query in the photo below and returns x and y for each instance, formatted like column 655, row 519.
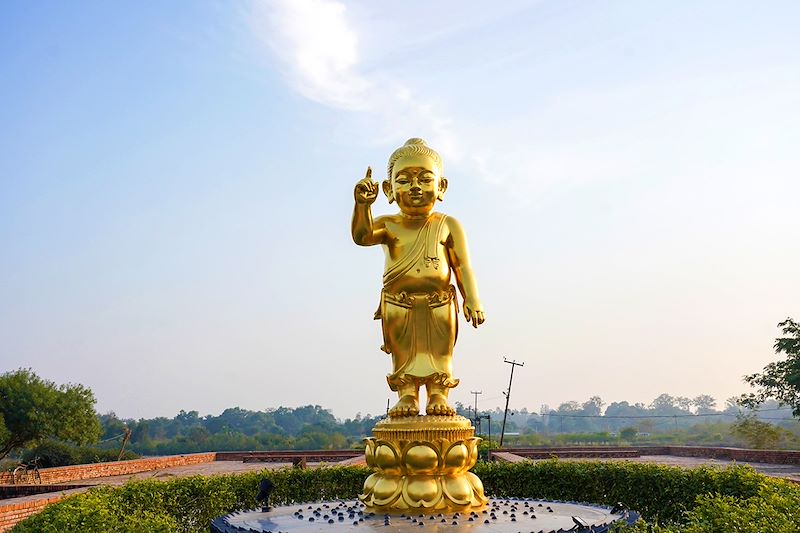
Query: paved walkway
column 791, row 472
column 214, row 468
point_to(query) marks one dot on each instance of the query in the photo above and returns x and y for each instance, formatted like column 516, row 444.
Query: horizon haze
column 176, row 187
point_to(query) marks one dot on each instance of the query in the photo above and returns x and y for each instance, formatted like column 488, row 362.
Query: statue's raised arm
column 363, row 227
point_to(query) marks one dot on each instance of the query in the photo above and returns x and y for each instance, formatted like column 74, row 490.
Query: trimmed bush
column 736, row 499
column 671, row 500
column 659, row 493
column 188, row 504
column 774, row 509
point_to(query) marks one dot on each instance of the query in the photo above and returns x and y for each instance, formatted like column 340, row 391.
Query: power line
column 688, row 415
column 493, row 398
column 567, row 415
column 112, row 438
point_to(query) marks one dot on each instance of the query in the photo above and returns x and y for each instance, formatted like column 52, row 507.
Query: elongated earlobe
column 442, row 188
column 387, row 190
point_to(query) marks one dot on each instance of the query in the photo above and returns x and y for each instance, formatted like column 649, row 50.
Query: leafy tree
column 733, row 406
column 33, row 409
column 704, row 404
column 683, row 403
column 779, row 380
column 569, row 407
column 112, row 426
column 198, row 434
column 141, row 433
column 664, row 402
column 594, row 406
column 756, row 434
column 189, row 419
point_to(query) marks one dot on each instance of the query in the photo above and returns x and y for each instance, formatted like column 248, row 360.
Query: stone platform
column 499, row 516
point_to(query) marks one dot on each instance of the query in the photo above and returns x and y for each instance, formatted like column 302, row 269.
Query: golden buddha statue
column 419, row 462
column 418, row 308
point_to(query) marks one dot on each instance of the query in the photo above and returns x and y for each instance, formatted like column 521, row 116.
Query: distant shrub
column 58, row 453
column 8, row 464
column 671, row 500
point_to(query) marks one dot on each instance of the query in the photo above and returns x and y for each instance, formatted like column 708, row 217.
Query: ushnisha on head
column 415, row 146
column 415, row 179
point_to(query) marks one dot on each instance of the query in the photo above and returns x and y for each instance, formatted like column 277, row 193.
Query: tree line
column 310, row 427
column 34, row 410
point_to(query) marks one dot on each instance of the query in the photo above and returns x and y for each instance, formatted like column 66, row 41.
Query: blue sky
column 176, row 187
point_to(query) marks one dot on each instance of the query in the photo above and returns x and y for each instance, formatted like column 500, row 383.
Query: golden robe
column 420, row 329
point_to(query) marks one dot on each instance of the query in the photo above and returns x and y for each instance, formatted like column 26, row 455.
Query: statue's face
column 416, row 184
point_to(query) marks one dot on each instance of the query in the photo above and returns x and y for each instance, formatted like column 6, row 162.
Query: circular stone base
column 500, row 516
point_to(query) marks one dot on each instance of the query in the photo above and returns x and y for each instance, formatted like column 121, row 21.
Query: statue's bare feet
column 407, row 406
column 437, row 405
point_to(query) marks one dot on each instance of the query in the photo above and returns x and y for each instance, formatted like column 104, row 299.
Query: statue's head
column 415, row 179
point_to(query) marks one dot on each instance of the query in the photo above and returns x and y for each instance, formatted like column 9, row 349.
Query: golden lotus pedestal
column 421, row 463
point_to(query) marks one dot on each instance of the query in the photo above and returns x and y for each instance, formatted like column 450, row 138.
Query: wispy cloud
column 317, row 48
column 548, row 137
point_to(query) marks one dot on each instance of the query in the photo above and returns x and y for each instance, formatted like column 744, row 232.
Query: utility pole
column 480, row 418
column 475, row 393
column 508, row 396
column 125, row 438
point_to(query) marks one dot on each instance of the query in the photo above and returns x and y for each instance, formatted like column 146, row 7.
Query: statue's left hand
column 473, row 312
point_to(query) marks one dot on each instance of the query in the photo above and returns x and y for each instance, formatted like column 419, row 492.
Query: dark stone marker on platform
column 265, row 489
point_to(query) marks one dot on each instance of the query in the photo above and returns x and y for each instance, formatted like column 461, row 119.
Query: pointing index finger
column 368, row 177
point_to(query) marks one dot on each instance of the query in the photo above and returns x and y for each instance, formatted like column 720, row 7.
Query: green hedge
column 659, row 493
column 187, row 504
column 671, row 500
